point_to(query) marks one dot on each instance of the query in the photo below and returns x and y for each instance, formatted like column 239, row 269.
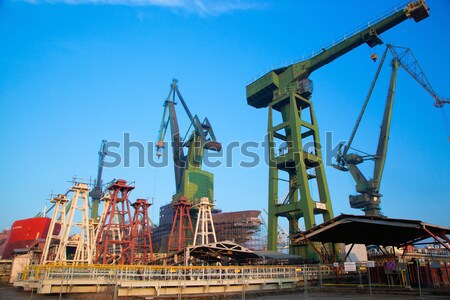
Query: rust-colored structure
column 182, row 230
column 142, row 248
column 114, row 239
column 241, row 227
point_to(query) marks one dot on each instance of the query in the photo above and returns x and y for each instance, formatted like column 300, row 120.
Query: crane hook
column 374, row 57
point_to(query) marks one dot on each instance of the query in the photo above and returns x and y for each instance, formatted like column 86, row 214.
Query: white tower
column 58, row 219
column 76, row 235
column 204, row 230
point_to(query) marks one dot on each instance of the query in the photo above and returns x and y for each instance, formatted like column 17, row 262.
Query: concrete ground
column 331, row 296
column 11, row 293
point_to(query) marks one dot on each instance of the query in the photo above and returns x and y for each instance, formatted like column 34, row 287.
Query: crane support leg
column 300, row 158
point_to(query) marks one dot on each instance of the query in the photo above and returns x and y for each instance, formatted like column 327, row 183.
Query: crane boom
column 361, row 114
column 170, row 117
column 380, row 156
column 260, row 92
column 409, row 62
column 369, row 197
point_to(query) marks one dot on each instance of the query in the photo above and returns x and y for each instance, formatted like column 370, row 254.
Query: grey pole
column 305, row 282
column 116, row 286
column 360, row 277
column 418, row 278
column 62, row 279
column 320, row 276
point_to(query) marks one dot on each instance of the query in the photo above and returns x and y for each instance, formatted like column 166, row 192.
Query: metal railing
column 155, row 273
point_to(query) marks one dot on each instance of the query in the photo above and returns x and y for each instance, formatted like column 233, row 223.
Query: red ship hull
column 25, row 232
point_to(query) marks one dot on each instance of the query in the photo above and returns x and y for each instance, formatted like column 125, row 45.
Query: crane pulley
column 368, row 198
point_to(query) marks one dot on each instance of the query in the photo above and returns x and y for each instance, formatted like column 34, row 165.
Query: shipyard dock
column 156, row 281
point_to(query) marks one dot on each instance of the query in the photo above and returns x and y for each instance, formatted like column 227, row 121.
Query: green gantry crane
column 190, row 180
column 368, row 197
column 288, row 91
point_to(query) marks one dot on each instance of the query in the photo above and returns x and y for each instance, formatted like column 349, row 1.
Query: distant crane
column 97, row 192
column 369, row 195
column 288, row 91
column 190, row 181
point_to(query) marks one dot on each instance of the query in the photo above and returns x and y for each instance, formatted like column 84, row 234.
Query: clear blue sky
column 73, row 72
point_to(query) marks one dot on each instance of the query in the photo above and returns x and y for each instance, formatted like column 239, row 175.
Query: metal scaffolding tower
column 142, row 248
column 204, row 229
column 241, row 227
column 75, row 245
column 114, row 240
column 58, row 218
column 181, row 233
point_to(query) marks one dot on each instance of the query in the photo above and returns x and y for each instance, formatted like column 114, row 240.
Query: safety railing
column 155, row 273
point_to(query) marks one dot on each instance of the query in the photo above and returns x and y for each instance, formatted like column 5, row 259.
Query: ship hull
column 26, row 232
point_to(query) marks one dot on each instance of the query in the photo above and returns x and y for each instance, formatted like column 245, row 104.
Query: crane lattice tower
column 53, row 238
column 142, row 251
column 114, row 240
column 204, row 229
column 181, row 232
column 75, row 234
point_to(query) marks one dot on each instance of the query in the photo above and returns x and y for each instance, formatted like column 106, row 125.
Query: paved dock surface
column 11, row 293
column 330, row 296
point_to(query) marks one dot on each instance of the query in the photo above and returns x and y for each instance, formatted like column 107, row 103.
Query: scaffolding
column 142, row 248
column 114, row 240
column 204, row 230
column 76, row 236
column 74, row 244
column 181, row 233
column 53, row 238
column 241, row 227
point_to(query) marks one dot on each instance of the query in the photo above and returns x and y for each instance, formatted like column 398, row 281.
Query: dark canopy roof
column 215, row 251
column 371, row 230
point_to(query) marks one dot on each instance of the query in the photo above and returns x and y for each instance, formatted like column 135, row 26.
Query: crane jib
column 260, row 93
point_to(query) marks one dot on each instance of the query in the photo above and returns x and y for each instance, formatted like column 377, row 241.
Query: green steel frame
column 287, row 90
column 301, row 166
